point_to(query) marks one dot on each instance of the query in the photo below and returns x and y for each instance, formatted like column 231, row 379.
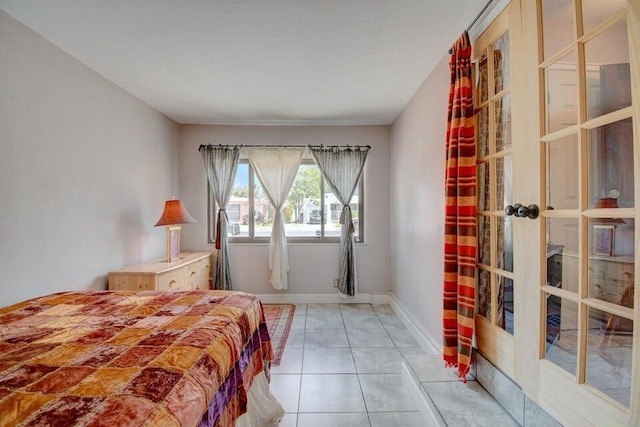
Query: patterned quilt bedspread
column 130, row 358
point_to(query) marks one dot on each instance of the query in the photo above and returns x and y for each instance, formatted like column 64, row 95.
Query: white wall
column 84, row 171
column 417, row 229
column 313, row 266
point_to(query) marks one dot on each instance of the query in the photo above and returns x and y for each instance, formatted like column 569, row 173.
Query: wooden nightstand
column 191, row 271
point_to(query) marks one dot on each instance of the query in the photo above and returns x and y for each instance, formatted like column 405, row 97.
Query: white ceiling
column 257, row 61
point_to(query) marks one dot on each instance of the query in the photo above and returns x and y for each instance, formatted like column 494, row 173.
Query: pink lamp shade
column 174, row 213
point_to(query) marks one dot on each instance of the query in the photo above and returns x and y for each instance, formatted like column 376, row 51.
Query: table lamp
column 173, row 215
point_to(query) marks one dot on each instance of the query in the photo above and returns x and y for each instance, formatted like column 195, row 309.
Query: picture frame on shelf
column 603, row 240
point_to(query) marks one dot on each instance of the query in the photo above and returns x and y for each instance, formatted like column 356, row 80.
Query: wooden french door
column 587, row 74
column 557, row 307
column 495, row 74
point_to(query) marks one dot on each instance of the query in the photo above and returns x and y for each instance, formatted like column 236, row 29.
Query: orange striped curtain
column 460, row 217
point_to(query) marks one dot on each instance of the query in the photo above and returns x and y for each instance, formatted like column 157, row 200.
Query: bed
column 120, row 358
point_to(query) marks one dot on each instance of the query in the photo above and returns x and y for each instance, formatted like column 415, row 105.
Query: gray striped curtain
column 341, row 168
column 221, row 163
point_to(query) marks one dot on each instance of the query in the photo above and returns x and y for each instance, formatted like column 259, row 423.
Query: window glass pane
column 562, row 332
column 505, row 243
column 609, row 354
column 611, row 260
column 561, row 80
column 595, row 12
column 608, row 72
column 504, row 174
column 483, row 132
column 483, row 187
column 238, row 205
column 562, row 173
column 302, row 211
column 558, row 25
column 483, row 79
column 252, row 217
column 263, row 212
column 355, row 213
column 501, row 61
column 484, row 240
column 562, row 253
column 505, row 304
column 333, row 210
column 503, row 122
column 611, row 165
column 484, row 294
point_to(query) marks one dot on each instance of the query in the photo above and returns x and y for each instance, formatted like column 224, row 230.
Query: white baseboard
column 424, row 404
column 425, row 340
column 334, row 298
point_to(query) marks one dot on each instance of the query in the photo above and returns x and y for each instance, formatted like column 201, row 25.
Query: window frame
column 252, row 239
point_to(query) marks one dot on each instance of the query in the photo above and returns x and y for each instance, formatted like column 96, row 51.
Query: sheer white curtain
column 276, row 168
column 342, row 167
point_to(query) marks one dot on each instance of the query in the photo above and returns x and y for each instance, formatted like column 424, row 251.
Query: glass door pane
column 589, row 171
column 558, row 23
column 495, row 176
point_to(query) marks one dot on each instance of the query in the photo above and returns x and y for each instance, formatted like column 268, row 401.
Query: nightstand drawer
column 172, row 281
column 130, row 282
column 198, row 274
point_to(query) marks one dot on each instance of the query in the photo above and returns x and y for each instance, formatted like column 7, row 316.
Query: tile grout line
column 366, row 408
column 303, row 349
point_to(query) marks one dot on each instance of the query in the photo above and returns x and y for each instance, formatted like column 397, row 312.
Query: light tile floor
column 342, row 366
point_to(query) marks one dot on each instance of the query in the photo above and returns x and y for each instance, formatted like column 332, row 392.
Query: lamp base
column 173, row 243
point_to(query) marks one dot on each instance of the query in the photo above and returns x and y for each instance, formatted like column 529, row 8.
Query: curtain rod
column 475, row 20
column 284, row 146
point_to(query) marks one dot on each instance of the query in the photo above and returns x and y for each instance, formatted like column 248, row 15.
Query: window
column 310, row 200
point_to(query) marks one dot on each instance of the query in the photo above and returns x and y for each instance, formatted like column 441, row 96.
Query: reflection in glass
column 595, row 12
column 333, row 210
column 562, row 253
column 503, row 122
column 611, row 260
column 483, row 187
column 484, row 240
column 501, row 61
column 561, row 84
column 483, row 132
column 238, row 207
column 483, row 79
column 504, row 179
column 611, row 165
column 302, row 212
column 263, row 213
column 562, row 172
column 561, row 329
column 608, row 72
column 558, row 25
column 505, row 304
column 505, row 243
column 609, row 354
column 484, row 293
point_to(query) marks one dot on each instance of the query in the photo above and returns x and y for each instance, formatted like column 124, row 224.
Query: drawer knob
column 171, row 283
column 193, row 273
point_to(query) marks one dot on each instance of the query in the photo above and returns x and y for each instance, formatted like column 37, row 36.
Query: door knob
column 532, row 212
column 520, row 211
column 512, row 210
